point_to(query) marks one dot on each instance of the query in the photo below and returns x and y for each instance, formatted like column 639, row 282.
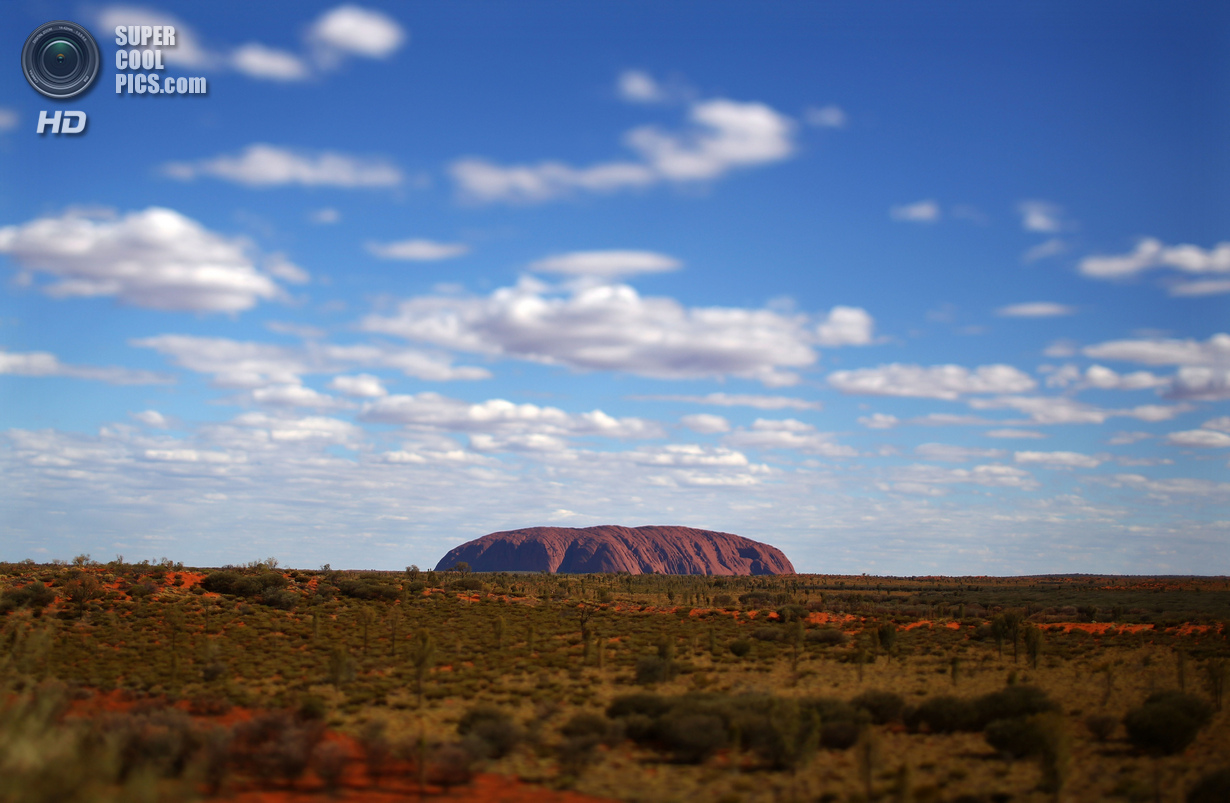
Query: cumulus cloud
column 1207, row 287
column 705, row 423
column 1065, row 410
column 1221, row 424
column 1057, row 459
column 42, row 363
column 610, row 327
column 351, row 30
column 499, row 425
column 927, row 211
column 363, row 386
column 1049, row 248
column 1103, row 378
column 930, row 480
column 1035, row 309
column 1041, row 216
column 608, row 265
column 1199, row 383
column 250, row 365
column 758, row 402
column 950, row 453
column 846, row 326
column 156, row 258
column 1205, row 438
column 1151, row 253
column 261, row 166
column 879, row 421
column 1161, row 351
column 418, row 250
column 1015, row 433
column 152, row 418
column 934, row 382
column 788, row 434
column 638, row 86
column 831, row 116
column 259, row 61
column 725, row 135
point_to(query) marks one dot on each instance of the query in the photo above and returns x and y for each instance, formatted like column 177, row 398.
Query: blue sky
column 898, row 289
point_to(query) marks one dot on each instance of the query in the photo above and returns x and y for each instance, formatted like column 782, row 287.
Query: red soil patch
column 484, row 788
column 824, row 618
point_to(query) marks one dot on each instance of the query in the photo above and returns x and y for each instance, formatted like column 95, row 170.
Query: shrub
column 827, row 636
column 840, row 735
column 882, row 706
column 1013, row 701
column 278, row 598
column 33, row 595
column 1017, row 737
column 652, row 669
column 644, row 704
column 450, row 765
column 1212, row 788
column 740, row 647
column 1167, row 722
column 1101, row 727
column 488, row 731
column 329, row 762
column 944, row 714
column 692, row 738
column 768, row 634
column 368, row 588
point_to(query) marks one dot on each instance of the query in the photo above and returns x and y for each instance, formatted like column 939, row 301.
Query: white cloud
column 831, row 116
column 8, row 119
column 1205, row 438
column 954, row 454
column 1057, row 459
column 1126, row 438
column 1200, row 383
column 705, row 423
column 281, row 267
column 1208, row 287
column 42, row 363
column 610, row 327
column 608, row 265
column 363, row 386
column 1221, row 424
column 321, row 429
column 248, row 365
column 261, row 165
column 1151, row 253
column 846, row 326
column 1036, row 309
column 294, row 395
column 152, row 418
column 1061, row 348
column 258, row 61
column 1041, row 216
column 934, row 382
column 1049, row 248
column 297, row 329
column 725, row 135
column 879, row 421
column 927, row 211
column 156, row 258
column 325, row 216
column 923, row 478
column 1014, row 433
column 418, row 250
column 1065, row 410
column 351, row 30
column 741, row 400
column 1214, row 352
column 1103, row 378
column 505, row 425
column 638, row 86
column 788, row 434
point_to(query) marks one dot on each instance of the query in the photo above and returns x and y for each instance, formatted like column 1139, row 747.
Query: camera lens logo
column 60, row 59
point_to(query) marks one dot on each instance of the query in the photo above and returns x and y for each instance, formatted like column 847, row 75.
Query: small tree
column 1033, row 644
column 1215, row 671
column 422, row 657
column 1165, row 725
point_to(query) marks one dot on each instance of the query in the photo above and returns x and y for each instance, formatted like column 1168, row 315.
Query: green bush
column 488, row 732
column 1013, row 701
column 367, row 588
column 769, row 634
column 33, row 595
column 692, row 737
column 1167, row 722
column 944, row 714
column 1016, row 737
column 882, row 706
column 652, row 669
column 740, row 647
column 827, row 636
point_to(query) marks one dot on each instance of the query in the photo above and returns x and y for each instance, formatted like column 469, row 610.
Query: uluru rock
column 610, row 548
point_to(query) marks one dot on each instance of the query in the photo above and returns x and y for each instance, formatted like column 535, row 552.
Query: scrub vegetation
column 152, row 681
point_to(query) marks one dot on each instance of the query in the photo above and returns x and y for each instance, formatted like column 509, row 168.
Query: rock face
column 609, row 548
